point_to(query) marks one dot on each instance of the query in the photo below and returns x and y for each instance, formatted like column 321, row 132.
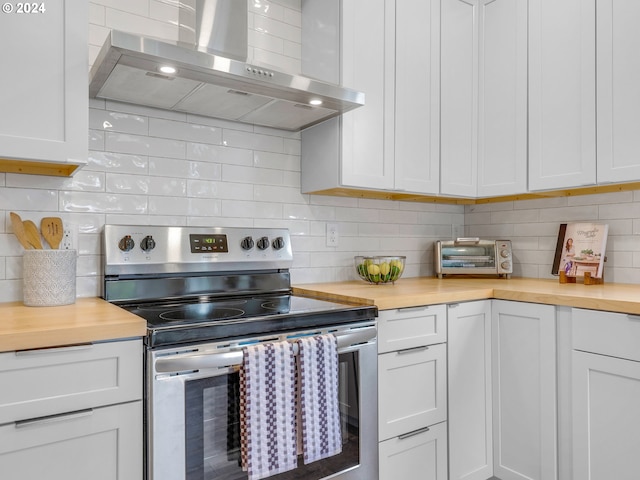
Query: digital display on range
column 208, row 243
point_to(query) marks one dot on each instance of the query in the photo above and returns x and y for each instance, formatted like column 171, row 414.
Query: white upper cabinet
column 562, row 94
column 417, row 96
column 618, row 83
column 44, row 82
column 483, row 97
column 383, row 48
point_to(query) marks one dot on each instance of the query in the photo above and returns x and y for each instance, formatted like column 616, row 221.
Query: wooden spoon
column 32, row 234
column 52, row 231
column 18, row 230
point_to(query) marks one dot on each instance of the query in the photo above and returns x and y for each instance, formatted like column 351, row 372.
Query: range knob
column 278, row 243
column 148, row 243
column 505, row 265
column 126, row 243
column 263, row 243
column 504, row 253
column 246, row 243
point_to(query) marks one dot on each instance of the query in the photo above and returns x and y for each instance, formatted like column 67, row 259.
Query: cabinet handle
column 414, row 309
column 415, row 432
column 44, row 351
column 412, row 350
column 63, row 417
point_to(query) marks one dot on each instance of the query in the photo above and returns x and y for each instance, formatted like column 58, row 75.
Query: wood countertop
column 412, row 292
column 87, row 320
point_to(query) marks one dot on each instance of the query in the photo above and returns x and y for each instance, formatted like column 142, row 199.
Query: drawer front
column 607, row 333
column 412, row 390
column 100, row 444
column 411, row 327
column 423, row 451
column 37, row 383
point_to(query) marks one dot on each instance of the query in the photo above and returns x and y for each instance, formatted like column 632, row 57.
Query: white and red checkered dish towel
column 268, row 409
column 318, row 397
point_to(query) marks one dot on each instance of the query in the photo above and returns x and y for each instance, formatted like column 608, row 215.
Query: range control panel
column 133, row 249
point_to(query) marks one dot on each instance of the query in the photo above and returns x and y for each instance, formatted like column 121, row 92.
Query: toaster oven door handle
column 467, row 240
column 199, row 361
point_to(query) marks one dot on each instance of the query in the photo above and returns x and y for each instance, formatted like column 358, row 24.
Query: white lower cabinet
column 421, row 454
column 606, row 396
column 72, row 412
column 412, row 393
column 502, row 396
column 524, row 391
column 470, row 410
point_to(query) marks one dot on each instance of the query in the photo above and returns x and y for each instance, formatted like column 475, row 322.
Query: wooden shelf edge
column 30, row 167
column 414, row 197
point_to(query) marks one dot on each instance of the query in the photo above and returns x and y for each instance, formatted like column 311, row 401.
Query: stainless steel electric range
column 205, row 293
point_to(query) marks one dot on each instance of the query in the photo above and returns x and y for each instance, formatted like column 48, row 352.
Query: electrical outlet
column 69, row 237
column 332, row 234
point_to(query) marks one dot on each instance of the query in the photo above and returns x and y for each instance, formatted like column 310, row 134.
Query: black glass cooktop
column 197, row 320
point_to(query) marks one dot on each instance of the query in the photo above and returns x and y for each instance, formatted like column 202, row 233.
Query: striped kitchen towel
column 318, row 397
column 268, row 409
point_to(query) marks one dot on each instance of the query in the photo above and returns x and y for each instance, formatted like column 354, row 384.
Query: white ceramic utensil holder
column 49, row 277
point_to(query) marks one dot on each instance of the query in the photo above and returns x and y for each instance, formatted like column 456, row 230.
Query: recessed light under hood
column 128, row 69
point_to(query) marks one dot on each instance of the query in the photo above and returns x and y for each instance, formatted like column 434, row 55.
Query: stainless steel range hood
column 211, row 78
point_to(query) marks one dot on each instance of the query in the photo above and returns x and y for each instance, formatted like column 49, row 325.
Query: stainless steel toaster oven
column 473, row 256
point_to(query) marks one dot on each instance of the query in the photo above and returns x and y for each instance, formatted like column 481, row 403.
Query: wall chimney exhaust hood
column 211, row 80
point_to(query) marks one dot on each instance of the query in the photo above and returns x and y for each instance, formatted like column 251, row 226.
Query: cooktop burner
column 171, row 322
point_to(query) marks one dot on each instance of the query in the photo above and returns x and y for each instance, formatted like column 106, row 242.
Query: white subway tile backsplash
column 141, row 24
column 561, row 215
column 120, row 162
column 142, row 145
column 164, row 11
column 28, row 199
column 241, row 174
column 102, row 203
column 617, row 211
column 248, row 209
column 214, row 153
column 83, row 180
column 190, row 132
column 132, row 184
column 272, row 26
column 267, row 193
column 145, row 111
column 253, row 141
column 138, row 7
column 96, row 14
column 118, row 122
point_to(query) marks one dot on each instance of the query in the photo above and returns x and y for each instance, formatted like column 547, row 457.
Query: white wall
column 149, row 166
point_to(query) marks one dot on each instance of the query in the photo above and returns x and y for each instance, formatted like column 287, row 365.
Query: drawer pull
column 63, row 417
column 414, row 309
column 44, row 351
column 413, row 350
column 415, row 432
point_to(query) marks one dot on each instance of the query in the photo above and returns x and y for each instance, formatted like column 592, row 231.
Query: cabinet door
column 606, row 417
column 100, row 444
column 417, row 96
column 470, row 412
column 562, row 122
column 44, row 82
column 502, row 77
column 367, row 66
column 459, row 97
column 524, row 391
column 420, row 454
column 618, row 93
column 412, row 390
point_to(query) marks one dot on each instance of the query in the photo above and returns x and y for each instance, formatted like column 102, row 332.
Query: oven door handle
column 194, row 362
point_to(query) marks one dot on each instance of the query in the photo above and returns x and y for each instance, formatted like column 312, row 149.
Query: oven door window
column 212, row 428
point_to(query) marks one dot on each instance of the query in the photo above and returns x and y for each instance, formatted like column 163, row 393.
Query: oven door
column 193, row 412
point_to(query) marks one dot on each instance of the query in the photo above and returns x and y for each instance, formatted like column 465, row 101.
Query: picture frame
column 581, row 248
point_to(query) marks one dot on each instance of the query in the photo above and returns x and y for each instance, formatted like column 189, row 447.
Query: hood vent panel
column 127, row 69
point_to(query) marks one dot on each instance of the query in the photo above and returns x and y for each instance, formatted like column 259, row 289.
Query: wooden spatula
column 18, row 230
column 52, row 231
column 32, row 234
